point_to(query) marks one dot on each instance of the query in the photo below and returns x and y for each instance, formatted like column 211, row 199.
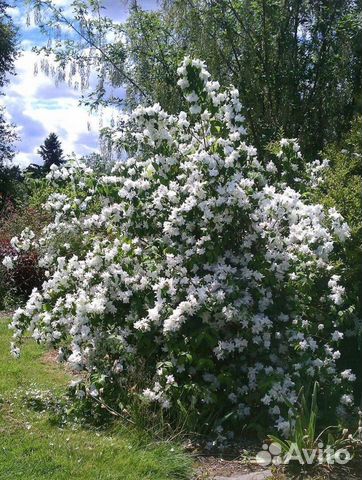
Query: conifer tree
column 51, row 152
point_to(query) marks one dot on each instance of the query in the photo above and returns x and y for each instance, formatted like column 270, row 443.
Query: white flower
column 347, row 400
column 336, row 336
column 8, row 262
column 126, row 247
column 15, row 351
column 170, row 379
column 348, row 375
column 93, row 391
column 183, row 83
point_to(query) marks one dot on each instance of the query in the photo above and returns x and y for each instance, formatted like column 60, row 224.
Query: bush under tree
column 197, row 275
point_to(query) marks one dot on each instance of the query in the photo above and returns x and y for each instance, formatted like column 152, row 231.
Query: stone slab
column 247, row 476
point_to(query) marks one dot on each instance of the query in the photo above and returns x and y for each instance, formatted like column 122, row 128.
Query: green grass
column 31, row 448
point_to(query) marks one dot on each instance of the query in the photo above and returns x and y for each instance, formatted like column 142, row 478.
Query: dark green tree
column 296, row 63
column 51, row 152
column 7, row 138
column 8, row 43
column 9, row 174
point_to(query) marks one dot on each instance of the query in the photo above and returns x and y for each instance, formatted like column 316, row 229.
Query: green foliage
column 304, row 423
column 9, row 175
column 296, row 64
column 343, row 186
column 10, row 185
column 8, row 45
column 7, row 139
column 306, row 437
column 38, row 189
column 342, row 189
column 155, row 55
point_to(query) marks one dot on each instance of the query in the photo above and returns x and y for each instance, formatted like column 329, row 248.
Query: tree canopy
column 297, row 64
column 8, row 45
column 8, row 53
column 51, row 151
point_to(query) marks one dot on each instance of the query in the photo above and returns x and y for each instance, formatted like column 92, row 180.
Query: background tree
column 7, row 138
column 8, row 45
column 343, row 190
column 9, row 174
column 51, row 152
column 297, row 64
column 99, row 163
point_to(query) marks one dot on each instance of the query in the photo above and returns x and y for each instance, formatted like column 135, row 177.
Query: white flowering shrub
column 196, row 268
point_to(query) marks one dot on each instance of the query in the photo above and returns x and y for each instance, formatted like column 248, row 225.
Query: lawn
column 32, row 448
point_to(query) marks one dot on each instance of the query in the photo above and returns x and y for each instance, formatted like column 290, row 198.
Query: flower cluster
column 19, row 271
column 197, row 267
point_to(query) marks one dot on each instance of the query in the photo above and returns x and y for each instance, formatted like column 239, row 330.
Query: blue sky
column 37, row 106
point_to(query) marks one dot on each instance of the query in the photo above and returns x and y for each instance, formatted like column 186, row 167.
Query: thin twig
column 92, row 44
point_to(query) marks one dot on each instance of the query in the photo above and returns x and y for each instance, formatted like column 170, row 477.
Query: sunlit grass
column 31, row 448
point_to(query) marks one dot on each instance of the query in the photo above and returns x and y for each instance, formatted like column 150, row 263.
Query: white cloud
column 14, row 12
column 38, row 107
column 23, row 160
